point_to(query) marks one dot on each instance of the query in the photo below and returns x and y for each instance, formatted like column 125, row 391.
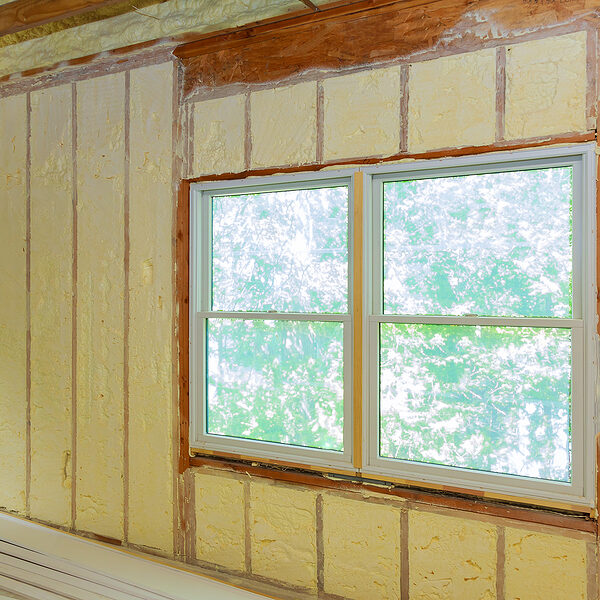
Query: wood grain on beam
column 25, row 14
column 371, row 31
column 182, row 291
column 292, row 21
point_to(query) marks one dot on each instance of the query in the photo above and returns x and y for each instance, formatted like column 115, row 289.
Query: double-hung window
column 478, row 345
column 480, row 342
column 271, row 328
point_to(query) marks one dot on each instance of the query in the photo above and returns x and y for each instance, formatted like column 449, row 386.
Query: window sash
column 201, row 313
column 457, row 477
column 581, row 488
column 500, row 163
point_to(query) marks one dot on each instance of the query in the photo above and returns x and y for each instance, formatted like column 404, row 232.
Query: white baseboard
column 41, row 563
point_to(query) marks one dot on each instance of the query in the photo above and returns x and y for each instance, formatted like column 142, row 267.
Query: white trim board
column 42, row 563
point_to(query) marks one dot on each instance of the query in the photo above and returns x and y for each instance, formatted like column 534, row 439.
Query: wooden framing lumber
column 357, row 34
column 25, row 14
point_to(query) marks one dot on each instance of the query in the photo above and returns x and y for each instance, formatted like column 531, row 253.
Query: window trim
column 582, row 488
column 200, row 194
column 191, row 455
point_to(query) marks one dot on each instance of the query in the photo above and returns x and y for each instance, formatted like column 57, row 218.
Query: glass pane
column 492, row 244
column 488, row 398
column 276, row 381
column 283, row 251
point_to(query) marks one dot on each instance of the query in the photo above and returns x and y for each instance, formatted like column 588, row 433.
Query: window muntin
column 272, row 327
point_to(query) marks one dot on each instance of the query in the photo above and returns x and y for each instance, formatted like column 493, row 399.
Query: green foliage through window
column 498, row 398
column 271, row 379
column 488, row 398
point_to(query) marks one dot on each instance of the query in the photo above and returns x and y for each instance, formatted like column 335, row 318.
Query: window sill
column 556, row 514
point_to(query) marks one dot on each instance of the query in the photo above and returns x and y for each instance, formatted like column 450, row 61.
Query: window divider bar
column 548, row 322
column 357, row 329
column 274, row 316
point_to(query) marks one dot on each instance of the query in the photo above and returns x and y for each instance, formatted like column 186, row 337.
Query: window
column 478, row 350
column 272, row 332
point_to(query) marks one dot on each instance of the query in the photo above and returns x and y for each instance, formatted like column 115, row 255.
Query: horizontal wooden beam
column 292, row 21
column 363, row 32
column 26, row 14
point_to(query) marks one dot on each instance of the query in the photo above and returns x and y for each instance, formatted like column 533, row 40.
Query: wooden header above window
column 360, row 33
column 339, row 35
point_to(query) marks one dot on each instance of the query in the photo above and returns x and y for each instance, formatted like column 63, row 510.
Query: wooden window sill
column 556, row 514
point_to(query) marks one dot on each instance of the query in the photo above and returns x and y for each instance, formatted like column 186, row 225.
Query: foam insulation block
column 151, row 308
column 51, row 303
column 13, row 311
column 539, row 566
column 452, row 101
column 546, row 86
column 451, row 558
column 361, row 549
column 283, row 534
column 100, row 286
column 219, row 506
column 362, row 114
column 219, row 134
column 284, row 125
column 158, row 21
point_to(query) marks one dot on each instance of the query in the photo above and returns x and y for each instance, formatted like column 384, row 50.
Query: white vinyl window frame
column 584, row 339
column 201, row 195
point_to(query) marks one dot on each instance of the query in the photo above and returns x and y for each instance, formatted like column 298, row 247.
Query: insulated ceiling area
column 41, row 33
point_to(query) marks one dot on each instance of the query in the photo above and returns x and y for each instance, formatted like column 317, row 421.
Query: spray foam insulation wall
column 219, row 509
column 451, row 557
column 282, row 535
column 120, row 173
column 93, row 240
column 292, row 112
column 452, row 101
column 13, row 307
column 545, row 86
column 100, row 304
column 540, row 566
column 219, row 132
column 158, row 21
column 150, row 308
column 362, row 114
column 361, row 542
column 367, row 545
column 51, row 303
